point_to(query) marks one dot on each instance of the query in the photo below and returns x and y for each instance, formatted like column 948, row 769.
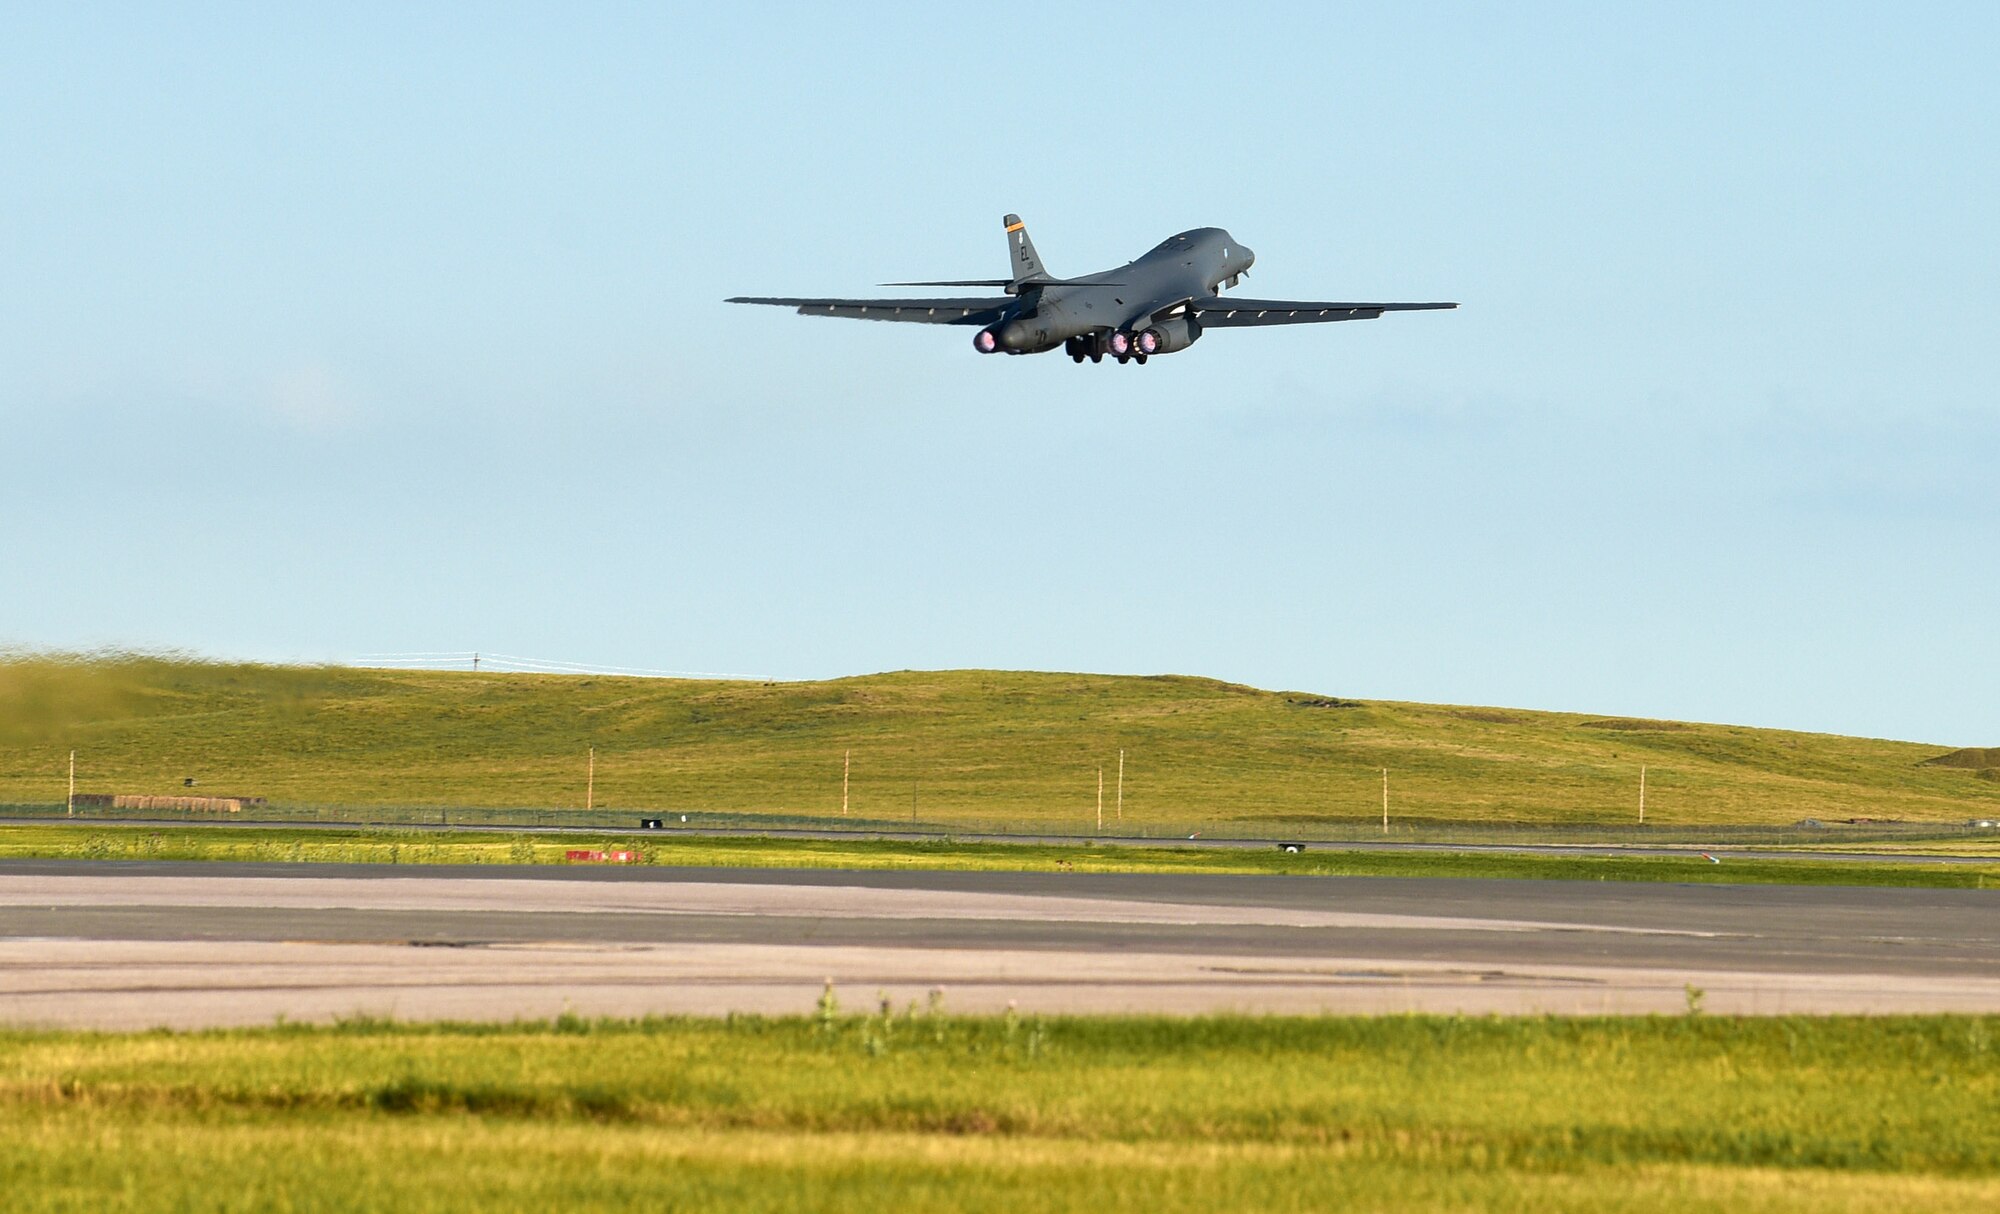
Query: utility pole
column 846, row 764
column 72, row 784
column 1642, row 794
column 1121, row 784
column 1385, row 800
column 475, row 663
column 1100, row 800
column 590, row 781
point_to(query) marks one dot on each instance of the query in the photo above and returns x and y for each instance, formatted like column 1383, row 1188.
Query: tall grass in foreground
column 916, row 1107
column 428, row 847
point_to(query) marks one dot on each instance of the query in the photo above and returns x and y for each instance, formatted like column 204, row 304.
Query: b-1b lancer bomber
column 1160, row 303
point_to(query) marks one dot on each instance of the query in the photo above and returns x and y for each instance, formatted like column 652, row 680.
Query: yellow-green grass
column 312, row 845
column 1981, row 845
column 956, row 749
column 912, row 1110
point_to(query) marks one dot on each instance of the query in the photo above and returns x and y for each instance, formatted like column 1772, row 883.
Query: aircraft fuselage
column 1146, row 295
column 1158, row 304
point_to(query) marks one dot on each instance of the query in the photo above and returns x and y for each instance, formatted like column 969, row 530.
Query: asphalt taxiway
column 135, row 944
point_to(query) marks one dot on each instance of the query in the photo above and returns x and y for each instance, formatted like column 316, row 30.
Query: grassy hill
column 956, row 747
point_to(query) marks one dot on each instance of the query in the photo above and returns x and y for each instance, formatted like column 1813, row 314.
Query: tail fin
column 1027, row 263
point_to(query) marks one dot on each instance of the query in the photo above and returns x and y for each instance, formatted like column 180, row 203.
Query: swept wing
column 1233, row 312
column 909, row 311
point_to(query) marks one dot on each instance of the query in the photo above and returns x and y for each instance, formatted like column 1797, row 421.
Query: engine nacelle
column 1166, row 336
column 1021, row 335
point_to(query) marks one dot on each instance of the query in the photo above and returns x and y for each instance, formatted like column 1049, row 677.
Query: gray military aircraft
column 1160, row 303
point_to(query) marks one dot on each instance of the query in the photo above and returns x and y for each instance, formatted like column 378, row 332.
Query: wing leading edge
column 1223, row 313
column 908, row 311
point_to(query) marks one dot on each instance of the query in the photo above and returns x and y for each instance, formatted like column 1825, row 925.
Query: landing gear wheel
column 1076, row 356
column 1140, row 359
column 1097, row 356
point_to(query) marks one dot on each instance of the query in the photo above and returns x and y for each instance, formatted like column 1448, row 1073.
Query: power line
column 586, row 668
column 517, row 664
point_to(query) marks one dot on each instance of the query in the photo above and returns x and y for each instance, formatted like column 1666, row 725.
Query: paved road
column 131, row 944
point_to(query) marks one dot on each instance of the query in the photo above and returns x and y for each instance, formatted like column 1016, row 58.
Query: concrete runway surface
column 134, row 944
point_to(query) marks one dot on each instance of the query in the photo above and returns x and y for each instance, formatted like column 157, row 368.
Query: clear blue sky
column 374, row 329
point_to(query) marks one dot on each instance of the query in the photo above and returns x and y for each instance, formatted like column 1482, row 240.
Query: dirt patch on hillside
column 1973, row 757
column 1634, row 724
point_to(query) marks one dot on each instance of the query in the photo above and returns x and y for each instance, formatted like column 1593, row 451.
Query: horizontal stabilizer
column 909, row 311
column 1009, row 285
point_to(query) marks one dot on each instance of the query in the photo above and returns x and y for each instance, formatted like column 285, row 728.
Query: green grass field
column 915, row 1110
column 957, row 749
column 416, row 846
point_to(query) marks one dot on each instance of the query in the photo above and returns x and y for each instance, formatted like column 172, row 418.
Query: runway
column 133, row 945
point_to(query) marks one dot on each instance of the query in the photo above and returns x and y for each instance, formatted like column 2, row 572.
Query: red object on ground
column 601, row 857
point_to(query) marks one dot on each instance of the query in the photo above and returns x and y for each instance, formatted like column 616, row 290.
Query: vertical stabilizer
column 1027, row 263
